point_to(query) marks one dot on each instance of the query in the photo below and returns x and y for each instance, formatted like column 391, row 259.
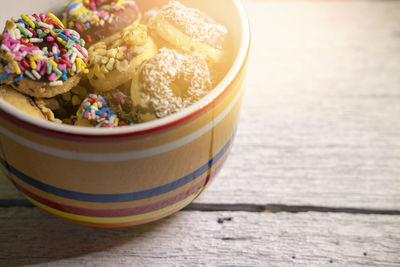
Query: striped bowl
column 130, row 175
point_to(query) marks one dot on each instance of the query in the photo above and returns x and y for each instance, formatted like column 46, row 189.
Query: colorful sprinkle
column 52, row 16
column 45, row 25
column 21, row 55
column 24, row 31
column 62, row 36
column 28, row 20
column 18, row 78
column 85, row 14
column 16, row 67
column 101, row 111
column 57, row 71
column 73, row 38
column 4, row 76
column 52, row 76
column 89, row 39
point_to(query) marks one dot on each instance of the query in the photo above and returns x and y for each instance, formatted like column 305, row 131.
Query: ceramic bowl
column 129, row 175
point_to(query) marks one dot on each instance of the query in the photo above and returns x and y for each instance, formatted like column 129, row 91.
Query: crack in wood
column 276, row 208
column 11, row 203
column 267, row 208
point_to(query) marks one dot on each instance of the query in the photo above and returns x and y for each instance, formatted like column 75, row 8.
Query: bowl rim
column 25, row 120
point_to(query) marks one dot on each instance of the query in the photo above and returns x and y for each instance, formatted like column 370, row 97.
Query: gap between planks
column 240, row 207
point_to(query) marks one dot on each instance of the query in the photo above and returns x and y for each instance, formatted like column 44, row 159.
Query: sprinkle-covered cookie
column 100, row 20
column 105, row 111
column 40, row 57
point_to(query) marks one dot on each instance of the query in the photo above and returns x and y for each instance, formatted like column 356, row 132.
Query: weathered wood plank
column 320, row 115
column 320, row 121
column 29, row 236
column 7, row 190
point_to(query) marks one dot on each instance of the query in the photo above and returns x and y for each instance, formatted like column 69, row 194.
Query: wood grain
column 30, row 236
column 320, row 121
column 320, row 126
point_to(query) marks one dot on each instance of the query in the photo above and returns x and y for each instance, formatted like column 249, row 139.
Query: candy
column 28, row 20
column 18, row 78
column 23, row 56
column 57, row 71
column 4, row 76
column 56, row 83
column 16, row 67
column 30, row 75
column 45, row 25
column 36, row 40
column 24, row 31
column 51, row 15
column 52, row 76
column 36, row 74
column 90, row 15
column 101, row 111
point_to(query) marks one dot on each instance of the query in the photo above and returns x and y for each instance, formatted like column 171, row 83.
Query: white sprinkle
column 36, row 74
column 16, row 48
column 9, row 68
column 74, row 68
column 4, row 47
column 85, row 52
column 111, row 18
column 37, row 52
column 24, row 54
column 45, row 25
column 29, row 74
column 75, row 33
column 77, row 52
column 73, row 57
column 158, row 73
column 56, row 83
column 17, row 34
column 195, row 23
column 36, row 40
column 12, row 34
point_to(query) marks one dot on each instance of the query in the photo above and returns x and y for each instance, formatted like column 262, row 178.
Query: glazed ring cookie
column 189, row 29
column 100, row 20
column 113, row 65
column 39, row 57
column 170, row 81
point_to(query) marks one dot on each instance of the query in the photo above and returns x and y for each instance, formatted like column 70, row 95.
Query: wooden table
column 314, row 174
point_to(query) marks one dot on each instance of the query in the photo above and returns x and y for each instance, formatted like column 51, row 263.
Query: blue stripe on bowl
column 122, row 197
